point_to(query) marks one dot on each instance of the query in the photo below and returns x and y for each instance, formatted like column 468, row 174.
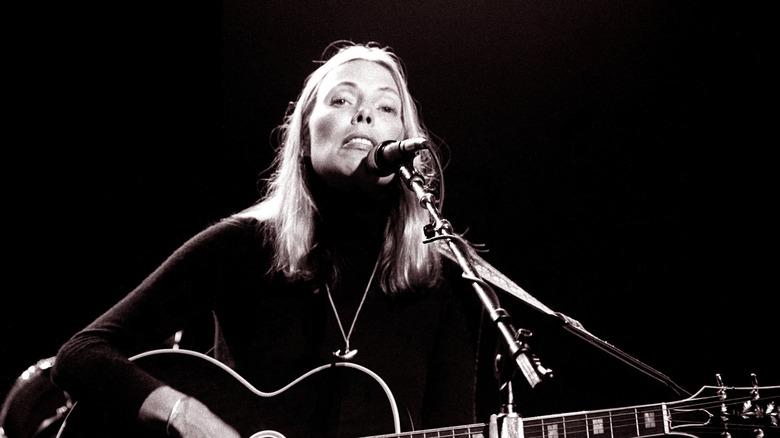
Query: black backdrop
column 613, row 157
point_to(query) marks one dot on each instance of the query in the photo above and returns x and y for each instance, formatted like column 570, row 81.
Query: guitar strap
column 495, row 277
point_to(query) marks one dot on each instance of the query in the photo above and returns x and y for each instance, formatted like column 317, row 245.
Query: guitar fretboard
column 634, row 422
column 620, row 423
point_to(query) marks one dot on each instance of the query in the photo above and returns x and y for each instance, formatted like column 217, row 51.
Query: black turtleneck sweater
column 272, row 331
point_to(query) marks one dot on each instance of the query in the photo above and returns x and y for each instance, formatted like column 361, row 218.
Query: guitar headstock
column 730, row 411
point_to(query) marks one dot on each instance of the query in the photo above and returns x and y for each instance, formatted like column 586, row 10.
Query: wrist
column 175, row 411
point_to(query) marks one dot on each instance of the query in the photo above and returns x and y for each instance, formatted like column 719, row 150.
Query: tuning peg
column 721, row 387
column 754, row 380
column 771, row 412
column 751, row 409
column 724, row 418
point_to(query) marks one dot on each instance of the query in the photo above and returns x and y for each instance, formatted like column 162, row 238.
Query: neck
column 351, row 231
column 356, row 213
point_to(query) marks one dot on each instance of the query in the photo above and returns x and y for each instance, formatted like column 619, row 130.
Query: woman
column 329, row 267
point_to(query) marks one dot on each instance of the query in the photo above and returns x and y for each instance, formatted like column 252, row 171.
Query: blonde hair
column 287, row 209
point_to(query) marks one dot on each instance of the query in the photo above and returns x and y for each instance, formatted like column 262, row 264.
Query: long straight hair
column 287, row 210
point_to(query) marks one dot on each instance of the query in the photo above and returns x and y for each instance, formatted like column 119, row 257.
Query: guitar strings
column 627, row 417
column 618, row 420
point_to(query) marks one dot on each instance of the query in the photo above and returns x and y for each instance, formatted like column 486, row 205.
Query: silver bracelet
column 174, row 411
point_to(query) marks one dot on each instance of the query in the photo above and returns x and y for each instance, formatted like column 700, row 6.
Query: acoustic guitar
column 307, row 407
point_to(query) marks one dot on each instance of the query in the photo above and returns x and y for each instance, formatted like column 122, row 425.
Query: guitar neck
column 632, row 422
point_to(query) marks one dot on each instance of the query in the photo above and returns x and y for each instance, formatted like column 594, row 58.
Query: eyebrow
column 355, row 85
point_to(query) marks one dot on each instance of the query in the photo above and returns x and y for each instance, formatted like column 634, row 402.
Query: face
column 357, row 107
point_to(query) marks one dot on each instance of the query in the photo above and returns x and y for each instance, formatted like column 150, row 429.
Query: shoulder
column 232, row 226
column 226, row 234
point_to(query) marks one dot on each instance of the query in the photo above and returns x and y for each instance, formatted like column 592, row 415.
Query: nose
column 362, row 115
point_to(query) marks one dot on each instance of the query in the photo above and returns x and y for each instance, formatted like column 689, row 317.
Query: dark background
column 613, row 156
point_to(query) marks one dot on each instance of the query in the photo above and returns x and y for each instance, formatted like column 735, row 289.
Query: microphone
column 385, row 158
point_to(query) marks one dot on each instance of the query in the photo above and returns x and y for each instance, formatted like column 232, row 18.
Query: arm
column 94, row 365
column 185, row 415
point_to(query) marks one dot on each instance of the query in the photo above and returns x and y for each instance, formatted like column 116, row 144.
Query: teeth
column 361, row 140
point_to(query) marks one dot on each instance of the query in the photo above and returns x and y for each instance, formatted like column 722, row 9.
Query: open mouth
column 361, row 143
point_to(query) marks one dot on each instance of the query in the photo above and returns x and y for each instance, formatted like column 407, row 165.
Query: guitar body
column 333, row 400
column 347, row 400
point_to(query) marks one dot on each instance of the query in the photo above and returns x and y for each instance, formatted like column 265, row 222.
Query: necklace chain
column 349, row 354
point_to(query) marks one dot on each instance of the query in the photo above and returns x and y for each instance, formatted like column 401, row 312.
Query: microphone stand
column 473, row 265
column 508, row 423
column 440, row 229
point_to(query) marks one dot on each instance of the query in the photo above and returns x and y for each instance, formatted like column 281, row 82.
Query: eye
column 338, row 101
column 388, row 109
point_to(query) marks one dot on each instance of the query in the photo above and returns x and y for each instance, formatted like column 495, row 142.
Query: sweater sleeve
column 95, row 366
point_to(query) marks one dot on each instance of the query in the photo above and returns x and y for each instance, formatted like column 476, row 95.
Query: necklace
column 349, row 354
